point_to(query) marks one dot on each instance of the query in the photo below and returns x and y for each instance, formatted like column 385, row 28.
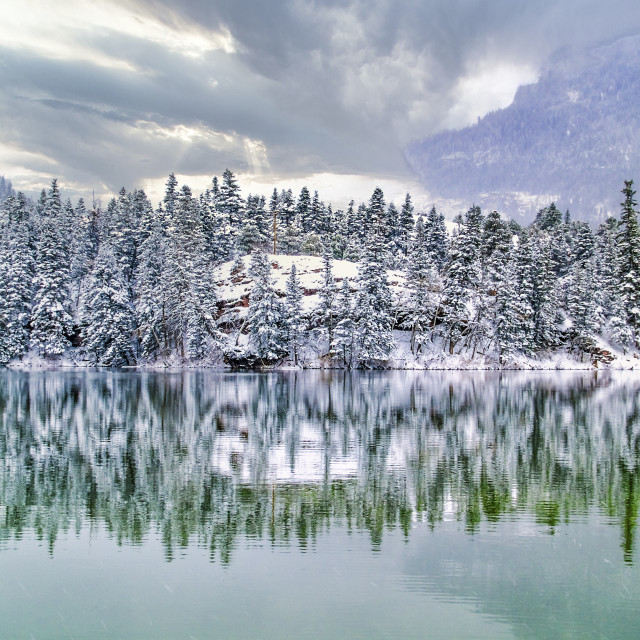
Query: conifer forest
column 129, row 284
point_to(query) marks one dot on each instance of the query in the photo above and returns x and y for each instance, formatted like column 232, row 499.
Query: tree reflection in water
column 216, row 458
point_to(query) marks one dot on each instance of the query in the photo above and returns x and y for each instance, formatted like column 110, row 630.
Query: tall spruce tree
column 629, row 259
column 327, row 296
column 151, row 298
column 437, row 238
column 374, row 322
column 50, row 313
column 422, row 283
column 266, row 316
column 462, row 278
column 294, row 320
column 16, row 276
column 344, row 335
column 109, row 320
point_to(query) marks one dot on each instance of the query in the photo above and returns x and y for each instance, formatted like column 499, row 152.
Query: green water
column 310, row 505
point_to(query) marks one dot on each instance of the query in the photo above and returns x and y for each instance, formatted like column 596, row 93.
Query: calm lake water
column 310, row 505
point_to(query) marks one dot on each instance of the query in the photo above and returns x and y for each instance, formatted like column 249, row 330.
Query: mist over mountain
column 572, row 138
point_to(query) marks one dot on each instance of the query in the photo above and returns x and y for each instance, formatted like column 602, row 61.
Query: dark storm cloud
column 326, row 86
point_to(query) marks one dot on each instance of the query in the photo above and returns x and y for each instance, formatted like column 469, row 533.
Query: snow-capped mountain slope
column 572, row 138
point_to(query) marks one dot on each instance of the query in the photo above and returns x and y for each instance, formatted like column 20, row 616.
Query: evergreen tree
column 496, row 244
column 608, row 269
column 317, row 214
column 374, row 322
column 462, row 278
column 108, row 314
column 629, row 259
column 393, row 234
column 189, row 307
column 421, row 283
column 16, row 276
column 303, row 210
column 514, row 321
column 124, row 236
column 274, row 214
column 229, row 203
column 50, row 312
column 583, row 304
column 344, row 335
column 583, row 243
column 512, row 313
column 549, row 218
column 437, row 238
column 406, row 225
column 295, row 322
column 266, row 316
column 151, row 299
column 170, row 200
column 327, row 295
column 544, row 298
column 254, row 231
column 290, row 238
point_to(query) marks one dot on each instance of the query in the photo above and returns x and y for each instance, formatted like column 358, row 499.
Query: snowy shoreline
column 400, row 359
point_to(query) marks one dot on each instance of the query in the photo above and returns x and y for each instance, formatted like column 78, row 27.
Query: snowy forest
column 130, row 284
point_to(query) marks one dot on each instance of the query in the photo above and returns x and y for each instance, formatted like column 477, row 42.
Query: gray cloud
column 335, row 85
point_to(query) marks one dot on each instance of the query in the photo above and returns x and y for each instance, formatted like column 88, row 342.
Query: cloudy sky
column 114, row 93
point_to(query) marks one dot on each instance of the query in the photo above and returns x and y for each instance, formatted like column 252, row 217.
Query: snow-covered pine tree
column 374, row 323
column 544, row 300
column 514, row 324
column 290, row 236
column 108, row 316
column 340, row 237
column 16, row 276
column 151, row 297
column 608, row 270
column 190, row 302
column 406, row 225
column 393, row 233
column 462, row 278
column 50, row 311
column 287, row 206
column 512, row 313
column 629, row 259
column 229, row 203
column 496, row 244
column 303, row 210
column 124, row 237
column 276, row 223
column 422, row 284
column 254, row 231
column 202, row 336
column 327, row 297
column 84, row 246
column 266, row 316
column 294, row 320
column 584, row 304
column 344, row 335
column 583, row 243
column 437, row 238
column 170, row 199
column 312, row 245
column 317, row 214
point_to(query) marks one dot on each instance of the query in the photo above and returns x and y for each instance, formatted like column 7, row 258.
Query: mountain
column 573, row 138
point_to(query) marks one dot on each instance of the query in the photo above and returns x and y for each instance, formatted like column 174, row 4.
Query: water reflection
column 216, row 459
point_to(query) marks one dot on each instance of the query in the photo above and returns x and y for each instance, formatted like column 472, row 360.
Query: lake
column 315, row 504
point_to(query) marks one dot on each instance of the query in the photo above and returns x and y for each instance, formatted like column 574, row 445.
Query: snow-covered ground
column 235, row 287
